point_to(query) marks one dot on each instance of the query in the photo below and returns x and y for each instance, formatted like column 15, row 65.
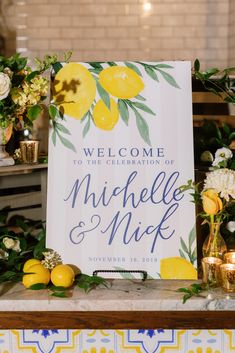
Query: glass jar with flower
column 217, row 199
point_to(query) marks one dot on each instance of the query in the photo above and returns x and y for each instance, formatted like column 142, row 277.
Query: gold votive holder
column 211, row 271
column 229, row 257
column 228, row 277
column 29, row 151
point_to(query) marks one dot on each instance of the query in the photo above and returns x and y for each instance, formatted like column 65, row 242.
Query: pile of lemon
column 61, row 275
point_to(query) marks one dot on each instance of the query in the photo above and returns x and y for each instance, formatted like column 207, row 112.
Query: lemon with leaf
column 62, row 276
column 121, row 82
column 177, row 268
column 74, row 90
column 105, row 118
column 36, row 274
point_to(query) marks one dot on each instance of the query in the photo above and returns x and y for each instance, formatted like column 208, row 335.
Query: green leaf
column 62, row 128
column 53, row 137
column 143, row 107
column 183, row 245
column 53, row 111
column 103, row 95
column 232, row 136
column 142, row 127
column 192, row 237
column 170, row 79
column 123, row 110
column 96, row 65
column 124, row 275
column 38, row 286
column 141, row 98
column 151, row 73
column 133, row 67
column 226, row 128
column 67, row 143
column 196, row 65
column 163, row 66
column 182, row 254
column 57, row 288
column 33, row 112
column 86, row 128
column 57, row 66
column 32, row 75
column 186, row 297
column 183, row 290
column 59, row 294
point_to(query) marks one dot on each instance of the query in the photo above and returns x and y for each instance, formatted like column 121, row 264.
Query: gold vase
column 214, row 244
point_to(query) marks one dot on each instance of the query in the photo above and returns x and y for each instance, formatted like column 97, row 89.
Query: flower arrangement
column 216, row 199
column 24, row 89
column 24, row 258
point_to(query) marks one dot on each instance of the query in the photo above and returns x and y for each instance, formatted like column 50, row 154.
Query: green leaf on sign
column 170, row 79
column 67, row 143
column 124, row 275
column 151, row 73
column 192, row 237
column 103, row 95
column 53, row 137
column 133, row 67
column 182, row 254
column 123, row 110
column 62, row 128
column 33, row 112
column 163, row 66
column 86, row 128
column 140, row 98
column 142, row 127
column 183, row 245
column 143, row 107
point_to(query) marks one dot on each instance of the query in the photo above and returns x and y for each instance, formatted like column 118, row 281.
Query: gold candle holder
column 229, row 257
column 211, row 271
column 228, row 277
column 29, row 151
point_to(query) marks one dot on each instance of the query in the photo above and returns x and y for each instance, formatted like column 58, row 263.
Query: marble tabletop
column 122, row 295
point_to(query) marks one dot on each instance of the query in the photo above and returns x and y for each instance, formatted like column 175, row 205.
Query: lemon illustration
column 30, row 263
column 104, row 118
column 74, row 90
column 177, row 268
column 62, row 275
column 39, row 274
column 121, row 82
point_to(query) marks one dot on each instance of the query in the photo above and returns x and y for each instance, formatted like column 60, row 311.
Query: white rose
column 5, row 85
column 16, row 246
column 8, row 242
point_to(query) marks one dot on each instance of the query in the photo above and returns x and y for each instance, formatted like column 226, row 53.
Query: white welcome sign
column 116, row 162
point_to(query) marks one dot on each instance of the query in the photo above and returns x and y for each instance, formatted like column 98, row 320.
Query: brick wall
column 231, row 37
column 99, row 30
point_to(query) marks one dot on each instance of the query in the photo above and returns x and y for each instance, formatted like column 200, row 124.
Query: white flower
column 5, row 85
column 222, row 155
column 12, row 244
column 51, row 259
column 222, row 181
column 231, row 226
column 3, row 254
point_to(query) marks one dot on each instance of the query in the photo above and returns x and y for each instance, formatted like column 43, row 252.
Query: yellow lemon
column 30, row 263
column 104, row 118
column 38, row 274
column 177, row 268
column 121, row 82
column 62, row 275
column 74, row 90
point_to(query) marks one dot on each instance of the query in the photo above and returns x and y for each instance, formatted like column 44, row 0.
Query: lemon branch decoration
column 119, row 89
column 188, row 250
